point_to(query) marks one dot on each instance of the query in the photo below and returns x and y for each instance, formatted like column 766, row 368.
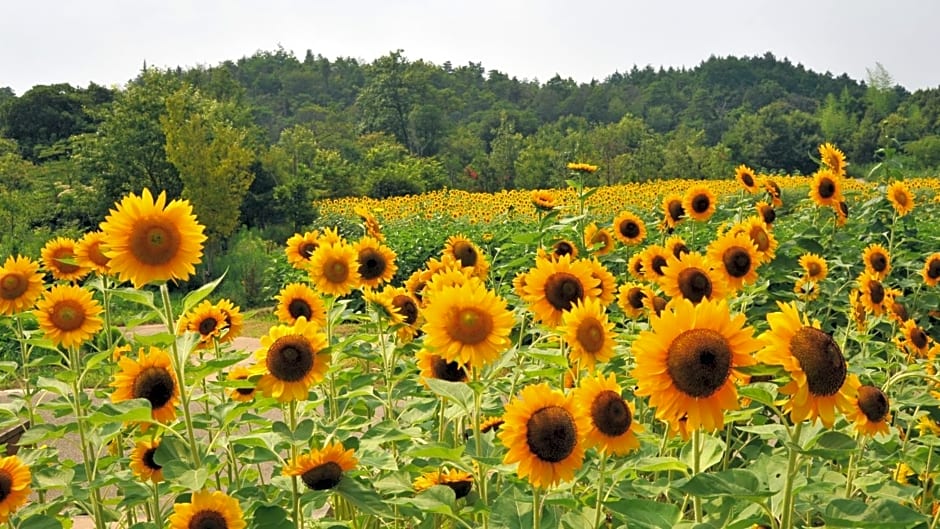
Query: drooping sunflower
column 300, row 248
column 915, row 340
column 207, row 321
column 629, row 228
column 655, row 260
column 814, row 266
column 897, row 310
column 15, row 478
column 673, row 210
column 564, row 247
column 323, row 469
column 241, row 373
column 832, row 158
column 767, row 212
column 676, row 246
column 605, row 281
column 901, row 198
column 930, row 272
column 299, row 300
column 826, row 189
column 774, row 191
column 152, row 240
column 859, row 313
column 819, row 381
column 58, row 258
column 600, row 241
column 612, row 425
column 142, row 463
column 872, row 293
column 334, row 268
column 234, row 320
column 544, row 434
column 432, row 365
column 89, row 252
column 588, row 333
column 543, row 199
column 553, row 287
column 688, row 363
column 580, row 167
column 20, row 285
column 376, row 262
column 760, row 235
column 468, row 324
column 842, row 213
column 877, row 260
column 208, row 510
column 291, row 359
column 871, row 411
column 699, row 202
column 68, row 315
column 735, row 257
column 457, row 480
column 150, row 377
column 745, row 176
column 692, row 278
column 631, row 299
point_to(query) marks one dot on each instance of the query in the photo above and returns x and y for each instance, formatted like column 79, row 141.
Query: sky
column 107, row 41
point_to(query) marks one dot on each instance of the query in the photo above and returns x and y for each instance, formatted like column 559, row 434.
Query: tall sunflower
column 553, row 287
column 208, row 510
column 588, row 333
column 563, row 247
column 631, row 298
column 699, row 202
column 143, row 464
column 580, row 167
column 20, row 285
column 468, row 324
column 233, row 320
column 58, row 258
column 692, row 278
column 901, row 198
column 323, row 469
column 207, row 321
column 149, row 377
column 297, row 300
column 291, row 359
column 456, row 480
column 152, row 240
column 687, row 364
column 655, row 260
column 766, row 212
column 469, row 254
column 241, row 373
column 15, row 479
column 930, row 272
column 872, row 293
column 300, row 248
column 599, row 240
column 89, row 252
column 544, row 434
column 877, row 260
column 870, row 411
column 673, row 210
column 760, row 235
column 819, row 381
column 745, row 176
column 334, row 268
column 915, row 339
column 736, row 259
column 376, row 262
column 629, row 228
column 814, row 267
column 68, row 315
column 605, row 281
column 432, row 365
column 826, row 189
column 676, row 245
column 543, row 200
column 832, row 158
column 613, row 428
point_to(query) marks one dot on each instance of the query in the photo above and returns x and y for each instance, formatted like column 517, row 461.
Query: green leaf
column 737, row 483
column 270, row 517
column 439, row 499
column 712, row 450
column 54, row 386
column 193, row 298
column 831, row 445
column 760, row 392
column 140, row 297
column 135, row 410
column 512, row 512
column 881, row 513
column 661, row 464
column 365, row 499
column 41, row 521
column 457, row 392
column 646, row 514
column 437, row 451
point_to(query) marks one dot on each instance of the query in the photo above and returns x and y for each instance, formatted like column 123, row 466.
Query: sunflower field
column 755, row 352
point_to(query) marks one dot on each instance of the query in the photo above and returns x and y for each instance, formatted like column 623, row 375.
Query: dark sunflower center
column 900, row 310
column 299, row 307
column 694, row 284
column 900, row 197
column 760, row 238
column 659, row 304
column 814, row 269
column 67, row 315
column 821, row 360
column 407, row 308
column 919, row 338
column 737, row 261
column 769, row 215
column 657, row 264
column 336, row 271
column 551, row 434
column 844, row 208
column 699, row 362
column 610, row 414
column 879, row 262
column 149, row 461
column 563, row 248
column 96, row 256
column 676, row 211
column 155, row 243
column 13, row 285
column 827, row 188
column 449, row 371
column 933, row 269
column 638, row 267
column 290, row 358
column 371, row 264
column 562, row 290
column 877, row 292
column 470, row 325
column 635, row 297
column 6, row 484
column 61, row 257
column 460, row 488
column 207, row 520
column 207, row 325
column 701, row 203
column 873, row 403
column 156, row 385
column 306, row 249
column 629, row 229
column 245, row 391
column 591, row 335
column 323, row 477
column 747, row 179
column 678, row 249
column 601, row 238
column 465, row 253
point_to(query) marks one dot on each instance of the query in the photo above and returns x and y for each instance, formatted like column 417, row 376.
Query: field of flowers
column 756, row 352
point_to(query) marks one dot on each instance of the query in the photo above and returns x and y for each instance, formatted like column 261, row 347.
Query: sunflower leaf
column 881, row 513
column 457, row 392
column 40, row 521
column 193, row 298
column 135, row 410
column 140, row 297
column 646, row 514
column 736, row 483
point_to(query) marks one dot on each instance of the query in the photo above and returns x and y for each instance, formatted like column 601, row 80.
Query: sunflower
column 814, row 267
column 581, row 167
column 736, row 259
column 859, row 313
column 877, row 260
column 692, row 278
column 901, row 198
column 745, row 176
column 233, row 320
column 142, row 463
column 673, row 210
column 149, row 377
column 612, row 426
column 376, row 262
column 915, row 340
column 299, row 300
column 543, row 200
column 489, row 424
column 631, row 298
column 774, row 191
column 151, row 240
column 635, row 266
column 469, row 255
column 370, row 224
column 291, row 359
column 58, row 258
column 655, row 260
column 688, row 362
column 15, row 478
column 241, row 373
column 807, row 289
column 68, row 315
column 930, row 272
column 331, row 236
column 207, row 321
column 819, row 381
column 323, row 469
column 432, row 365
column 699, row 202
column 467, row 324
column 89, row 252
column 407, row 313
column 334, row 268
column 842, row 213
column 629, row 228
column 417, row 283
column 655, row 304
column 544, row 434
column 457, row 480
column 20, row 285
column 606, row 281
column 898, row 311
column 676, row 246
column 873, row 293
column 563, row 247
column 553, row 287
column 208, row 510
column 870, row 411
column 599, row 240
column 826, row 189
column 766, row 212
column 588, row 333
column 300, row 248
column 832, row 158
column 760, row 235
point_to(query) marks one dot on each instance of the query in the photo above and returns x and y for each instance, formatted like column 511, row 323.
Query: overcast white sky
column 107, row 41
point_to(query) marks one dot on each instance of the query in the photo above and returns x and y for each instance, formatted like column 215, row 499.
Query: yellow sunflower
column 612, row 426
column 588, row 333
column 819, row 381
column 331, row 236
column 745, row 176
column 599, row 240
column 334, row 268
column 655, row 260
column 89, row 252
column 629, row 228
column 859, row 313
column 631, row 298
column 930, row 272
column 901, row 198
column 151, row 240
column 655, row 304
column 489, row 424
column 408, row 312
column 605, row 281
column 323, row 469
column 553, row 287
column 877, row 260
column 676, row 246
column 544, row 434
column 299, row 300
column 563, row 247
column 468, row 254
column 581, row 167
column 774, row 191
column 207, row 321
column 149, row 377
column 68, row 315
column 291, row 359
column 300, row 248
column 687, row 364
column 457, row 480
column 241, row 373
column 870, row 411
column 432, row 365
column 826, row 189
column 370, row 224
column 543, row 200
column 832, row 158
column 806, row 288
column 760, row 235
column 915, row 340
column 673, row 210
column 468, row 324
column 142, row 463
column 699, row 202
column 635, row 266
column 417, row 283
column 873, row 293
column 233, row 320
column 208, row 510
column 376, row 262
column 736, row 259
column 692, row 278
column 58, row 258
column 814, row 267
column 15, row 478
column 842, row 213
column 766, row 212
column 20, row 285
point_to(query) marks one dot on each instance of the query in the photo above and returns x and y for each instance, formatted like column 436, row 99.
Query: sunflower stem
column 696, row 470
column 477, row 440
column 788, row 496
column 853, row 465
column 536, row 507
column 106, row 303
column 87, row 454
column 925, row 501
column 27, row 387
column 295, row 490
column 599, row 505
column 157, row 512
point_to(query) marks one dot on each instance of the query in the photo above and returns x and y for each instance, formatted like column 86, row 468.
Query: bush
column 393, row 186
column 248, row 261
